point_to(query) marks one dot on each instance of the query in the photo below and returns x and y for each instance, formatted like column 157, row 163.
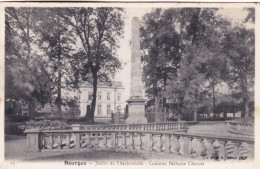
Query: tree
column 98, row 30
column 178, row 44
column 160, row 46
column 239, row 48
column 57, row 42
column 26, row 73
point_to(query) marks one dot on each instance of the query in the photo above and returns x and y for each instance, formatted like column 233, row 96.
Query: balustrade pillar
column 77, row 140
column 34, row 139
column 186, row 147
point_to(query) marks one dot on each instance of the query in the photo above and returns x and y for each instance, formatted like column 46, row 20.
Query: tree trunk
column 195, row 115
column 213, row 97
column 225, row 115
column 31, row 109
column 59, row 75
column 31, row 106
column 157, row 112
column 246, row 109
column 90, row 116
column 59, row 95
column 179, row 116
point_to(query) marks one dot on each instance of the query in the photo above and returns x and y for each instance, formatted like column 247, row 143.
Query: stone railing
column 183, row 144
column 240, row 127
column 169, row 126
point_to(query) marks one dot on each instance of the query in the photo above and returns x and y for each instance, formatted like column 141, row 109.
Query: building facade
column 109, row 100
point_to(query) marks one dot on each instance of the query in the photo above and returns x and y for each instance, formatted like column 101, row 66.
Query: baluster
column 229, row 148
column 179, row 126
column 59, row 141
column 160, row 143
column 210, row 148
column 236, row 153
column 43, row 142
column 221, row 152
column 243, row 151
column 176, row 145
column 105, row 140
column 149, row 142
column 113, row 140
column 51, row 141
column 89, row 139
column 124, row 141
column 140, row 139
column 67, row 141
column 96, row 144
column 200, row 150
column 168, row 143
column 132, row 141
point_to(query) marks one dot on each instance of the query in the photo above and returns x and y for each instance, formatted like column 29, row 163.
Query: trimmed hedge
column 45, row 125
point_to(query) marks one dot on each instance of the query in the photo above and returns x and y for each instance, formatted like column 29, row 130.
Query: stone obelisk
column 136, row 102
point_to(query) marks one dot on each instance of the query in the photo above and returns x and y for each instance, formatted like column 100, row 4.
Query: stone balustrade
column 169, row 126
column 183, row 144
column 240, row 127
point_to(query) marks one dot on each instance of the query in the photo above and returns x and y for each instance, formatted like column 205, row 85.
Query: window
column 99, row 110
column 119, row 96
column 99, row 96
column 108, row 96
column 118, row 109
column 89, row 96
column 108, row 109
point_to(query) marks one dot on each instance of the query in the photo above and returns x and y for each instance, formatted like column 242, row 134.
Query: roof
column 114, row 84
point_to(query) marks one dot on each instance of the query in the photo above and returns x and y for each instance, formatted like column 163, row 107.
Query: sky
column 124, row 52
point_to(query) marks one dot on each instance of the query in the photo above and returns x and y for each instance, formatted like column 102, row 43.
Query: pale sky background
column 124, row 53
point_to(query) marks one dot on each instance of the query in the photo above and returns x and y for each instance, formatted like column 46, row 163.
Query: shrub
column 45, row 125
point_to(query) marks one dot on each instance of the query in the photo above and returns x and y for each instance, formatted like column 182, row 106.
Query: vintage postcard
column 129, row 85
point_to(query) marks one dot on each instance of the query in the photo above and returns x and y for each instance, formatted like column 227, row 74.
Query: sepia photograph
column 94, row 84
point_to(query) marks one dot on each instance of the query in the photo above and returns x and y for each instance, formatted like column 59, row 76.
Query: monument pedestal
column 136, row 111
